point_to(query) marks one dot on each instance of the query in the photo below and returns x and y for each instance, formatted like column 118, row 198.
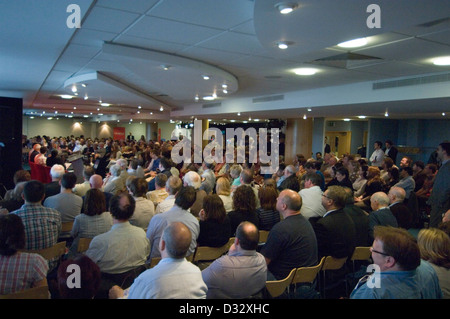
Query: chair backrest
column 307, row 274
column 277, row 287
column 53, row 252
column 211, row 253
column 47, row 178
column 83, row 244
column 66, row 227
column 40, row 292
column 361, row 253
column 35, row 172
column 332, row 263
column 263, row 234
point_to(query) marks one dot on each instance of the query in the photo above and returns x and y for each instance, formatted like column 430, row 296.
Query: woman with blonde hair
column 223, row 189
column 434, row 245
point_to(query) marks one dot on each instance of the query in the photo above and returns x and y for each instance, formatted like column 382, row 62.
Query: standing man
column 440, row 194
column 377, row 156
column 312, row 197
column 391, row 151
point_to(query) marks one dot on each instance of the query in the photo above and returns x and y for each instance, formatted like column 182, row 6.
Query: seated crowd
column 146, row 216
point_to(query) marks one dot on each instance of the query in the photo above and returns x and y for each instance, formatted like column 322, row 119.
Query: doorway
column 340, row 142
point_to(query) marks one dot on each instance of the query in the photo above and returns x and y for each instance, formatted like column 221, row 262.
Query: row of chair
column 305, row 275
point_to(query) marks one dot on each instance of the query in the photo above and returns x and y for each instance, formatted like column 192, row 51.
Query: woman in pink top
column 18, row 270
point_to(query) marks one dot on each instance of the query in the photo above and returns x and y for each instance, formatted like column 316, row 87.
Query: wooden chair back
column 83, row 244
column 307, row 274
column 277, row 287
column 54, row 252
column 40, row 292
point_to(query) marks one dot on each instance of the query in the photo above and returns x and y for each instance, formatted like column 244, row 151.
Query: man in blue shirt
column 399, row 271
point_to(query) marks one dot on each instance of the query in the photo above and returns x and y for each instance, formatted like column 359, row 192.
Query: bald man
column 402, row 213
column 381, row 215
column 96, row 182
column 291, row 242
column 173, row 277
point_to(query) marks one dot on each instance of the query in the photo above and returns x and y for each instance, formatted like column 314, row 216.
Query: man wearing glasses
column 399, row 271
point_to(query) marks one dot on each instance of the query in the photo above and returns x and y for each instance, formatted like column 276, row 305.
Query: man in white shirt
column 378, row 155
column 173, row 277
column 145, row 209
column 121, row 252
column 81, row 189
column 173, row 186
column 178, row 213
column 312, row 197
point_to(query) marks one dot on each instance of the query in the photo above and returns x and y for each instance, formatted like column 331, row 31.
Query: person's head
column 244, row 199
column 213, row 208
column 43, row 150
column 363, row 169
column 418, row 166
column 388, row 143
column 12, row 234
column 434, row 245
column 164, row 164
column 123, row 164
column 57, row 171
column 349, row 198
column 318, row 155
column 334, row 198
column 175, row 240
column 443, row 150
column 115, row 170
column 122, row 206
column 246, row 176
column 235, row 171
column 342, row 174
column 396, row 194
column 290, row 170
column 193, row 179
column 268, row 198
column 223, row 186
column 395, row 249
column 405, row 162
column 88, row 172
column 33, row 191
column 160, row 180
column 289, row 202
column 379, row 200
column 430, row 169
column 186, row 197
column 394, row 173
column 387, row 163
column 68, row 180
column 173, row 185
column 94, row 202
column 21, row 176
column 373, row 172
column 377, row 145
column 89, row 278
column 247, row 236
column 406, row 171
column 138, row 187
column 96, row 181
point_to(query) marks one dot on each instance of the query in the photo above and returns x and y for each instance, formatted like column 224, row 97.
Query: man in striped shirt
column 42, row 224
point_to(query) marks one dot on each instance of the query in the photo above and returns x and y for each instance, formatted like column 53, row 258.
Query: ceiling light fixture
column 66, row 97
column 304, row 116
column 445, row 60
column 105, row 104
column 305, row 71
column 346, row 120
column 161, row 109
column 74, row 89
column 283, row 45
column 286, row 7
column 208, row 98
column 386, row 113
column 205, row 77
column 362, row 117
column 86, row 97
column 355, row 43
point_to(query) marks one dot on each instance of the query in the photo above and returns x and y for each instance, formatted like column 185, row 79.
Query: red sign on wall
column 119, row 133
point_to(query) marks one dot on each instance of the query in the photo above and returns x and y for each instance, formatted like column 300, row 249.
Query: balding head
column 175, row 241
column 396, row 195
column 289, row 202
column 379, row 200
column 96, row 181
column 193, row 179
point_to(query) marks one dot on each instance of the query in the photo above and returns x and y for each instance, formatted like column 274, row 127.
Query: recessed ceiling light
column 362, row 117
column 445, row 60
column 285, row 7
column 208, row 98
column 205, row 77
column 67, row 97
column 443, row 113
column 309, row 110
column 353, row 43
column 346, row 120
column 161, row 109
column 305, row 71
column 105, row 104
column 283, row 45
column 74, row 89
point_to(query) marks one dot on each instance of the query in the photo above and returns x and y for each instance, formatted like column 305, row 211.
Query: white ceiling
column 122, row 45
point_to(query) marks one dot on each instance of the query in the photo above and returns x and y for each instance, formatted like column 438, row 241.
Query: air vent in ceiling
column 412, row 81
column 268, row 98
column 208, row 105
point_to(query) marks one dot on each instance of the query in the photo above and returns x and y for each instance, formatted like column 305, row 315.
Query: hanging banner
column 119, row 133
